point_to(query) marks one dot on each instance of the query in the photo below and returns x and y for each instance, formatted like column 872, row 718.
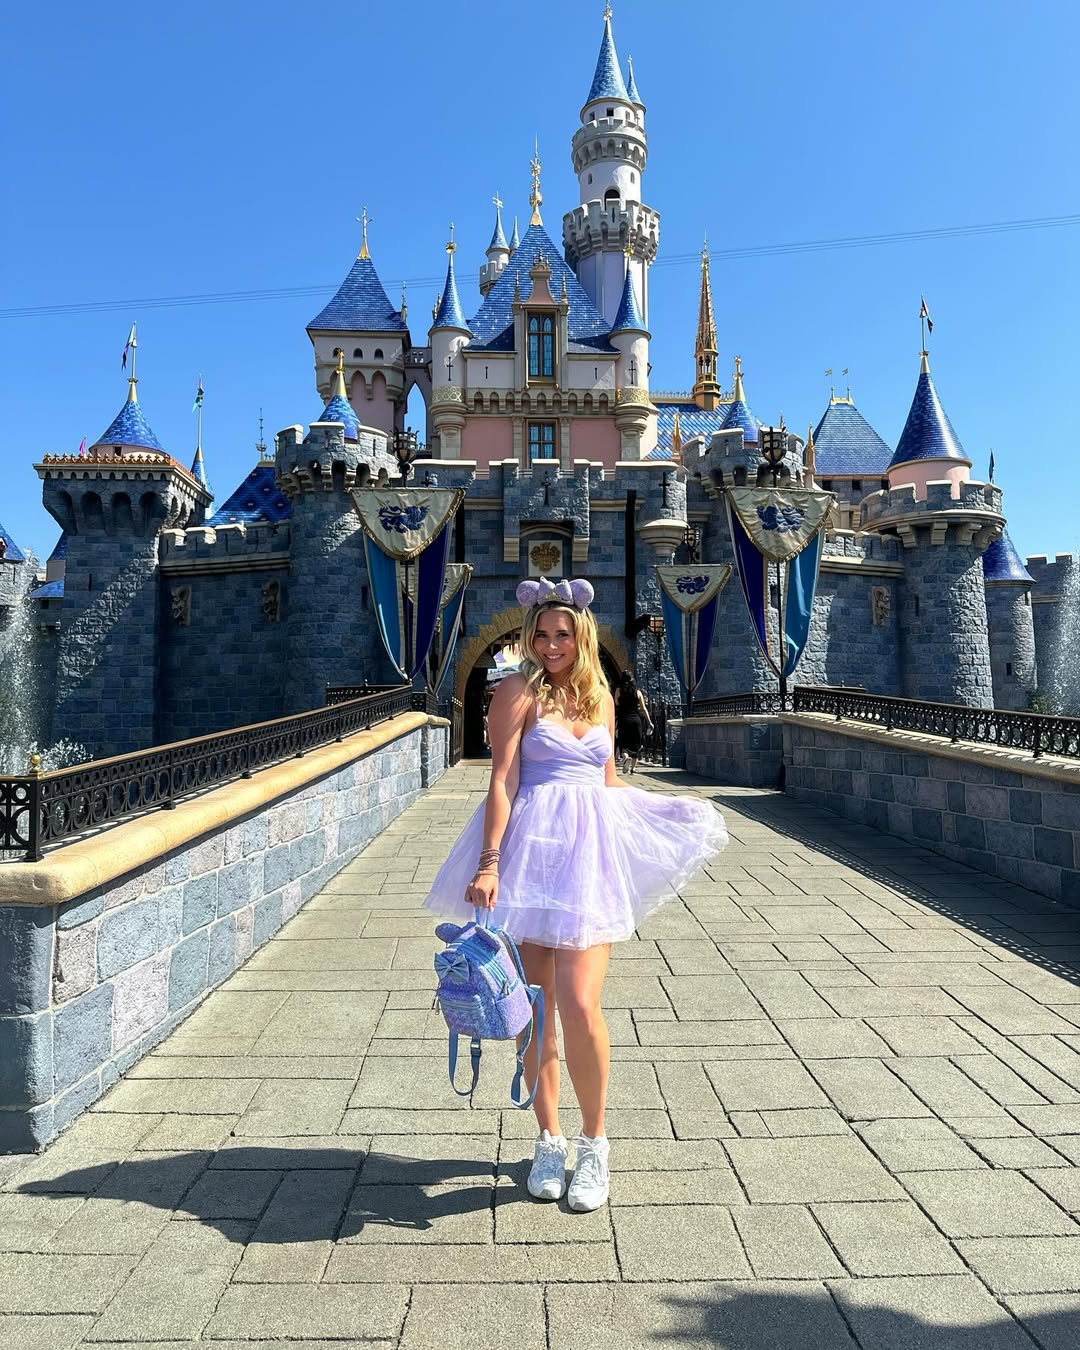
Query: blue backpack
column 483, row 993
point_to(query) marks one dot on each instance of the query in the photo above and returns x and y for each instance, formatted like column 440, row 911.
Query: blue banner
column 689, row 597
column 449, row 625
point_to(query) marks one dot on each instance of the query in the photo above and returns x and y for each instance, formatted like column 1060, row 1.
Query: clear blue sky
column 168, row 151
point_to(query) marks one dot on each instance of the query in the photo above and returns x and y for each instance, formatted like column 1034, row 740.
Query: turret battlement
column 324, row 460
column 976, row 505
column 730, row 461
column 1050, row 574
column 236, row 547
column 597, row 226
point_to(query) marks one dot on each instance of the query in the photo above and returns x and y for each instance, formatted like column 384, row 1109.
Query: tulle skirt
column 583, row 864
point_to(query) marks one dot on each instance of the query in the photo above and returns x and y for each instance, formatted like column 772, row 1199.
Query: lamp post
column 406, row 448
column 773, row 442
column 692, row 540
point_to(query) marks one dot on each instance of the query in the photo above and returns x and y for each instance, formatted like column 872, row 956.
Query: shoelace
column 550, row 1159
column 590, row 1165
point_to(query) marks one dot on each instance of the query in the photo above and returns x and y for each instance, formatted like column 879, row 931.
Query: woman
column 630, row 711
column 568, row 862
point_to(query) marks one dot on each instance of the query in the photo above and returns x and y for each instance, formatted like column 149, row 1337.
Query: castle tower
column 738, row 410
column 112, row 504
column 630, row 338
column 1011, row 625
column 448, row 334
column 944, row 523
column 332, row 633
column 498, row 251
column 362, row 324
column 707, row 391
column 609, row 151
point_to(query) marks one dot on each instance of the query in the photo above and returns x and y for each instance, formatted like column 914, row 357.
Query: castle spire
column 737, row 394
column 450, row 313
column 338, row 408
column 631, row 84
column 365, row 220
column 676, row 439
column 706, row 387
column 607, row 81
column 498, row 238
column 536, row 196
column 515, row 238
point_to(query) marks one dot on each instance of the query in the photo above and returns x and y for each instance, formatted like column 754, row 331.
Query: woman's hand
column 483, row 891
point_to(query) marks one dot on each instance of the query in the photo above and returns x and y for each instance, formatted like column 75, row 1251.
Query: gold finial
column 809, row 455
column 676, row 440
column 365, row 220
column 36, row 770
column 737, row 393
column 340, row 361
column 629, row 251
column 537, row 196
column 451, row 247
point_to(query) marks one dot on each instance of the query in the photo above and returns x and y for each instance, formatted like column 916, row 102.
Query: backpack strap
column 474, row 1057
column 536, row 998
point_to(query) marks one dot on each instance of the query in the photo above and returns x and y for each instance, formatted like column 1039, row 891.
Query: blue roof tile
column 341, row 410
column 927, row 433
column 1001, row 562
column 198, row 471
column 739, row 415
column 14, row 553
column 498, row 238
column 60, row 551
column 450, row 313
column 693, row 421
column 631, row 84
column 360, row 305
column 607, row 82
column 257, row 498
column 52, row 590
column 492, row 326
column 846, row 443
column 515, row 238
column 130, row 427
column 629, row 316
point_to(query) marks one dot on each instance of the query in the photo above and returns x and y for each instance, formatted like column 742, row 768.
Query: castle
column 161, row 618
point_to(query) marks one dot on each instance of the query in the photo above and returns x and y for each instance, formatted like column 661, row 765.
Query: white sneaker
column 589, row 1185
column 547, row 1176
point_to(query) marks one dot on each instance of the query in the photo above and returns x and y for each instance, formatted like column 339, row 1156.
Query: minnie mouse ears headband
column 578, row 593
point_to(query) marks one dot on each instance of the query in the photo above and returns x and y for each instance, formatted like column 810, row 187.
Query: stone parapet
column 111, row 941
column 974, row 513
column 225, row 548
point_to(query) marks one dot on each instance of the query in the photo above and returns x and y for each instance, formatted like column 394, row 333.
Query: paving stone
column 942, row 1086
column 708, row 1034
column 520, row 1218
column 800, row 1171
column 1018, row 1152
column 684, row 1244
column 785, row 995
column 207, row 1097
column 865, row 1089
column 291, row 1311
column 426, row 1214
column 762, row 1315
column 887, row 1238
column 831, row 1038
column 28, row 1332
column 1030, row 1265
column 784, row 1242
column 60, row 1284
column 871, row 1003
column 803, row 1122
column 998, row 1080
column 1051, row 1318
column 1010, row 1011
column 926, row 1313
column 28, row 1223
column 752, row 1086
column 295, row 1107
column 713, row 1186
column 463, row 1265
column 283, row 1262
column 924, row 1036
column 987, row 1203
column 723, row 998
column 485, row 1328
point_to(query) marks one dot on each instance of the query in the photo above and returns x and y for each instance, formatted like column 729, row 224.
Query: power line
column 673, row 260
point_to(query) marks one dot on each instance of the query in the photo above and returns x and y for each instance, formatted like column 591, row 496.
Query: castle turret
column 498, row 251
column 448, row 334
column 362, row 325
column 630, row 338
column 944, row 523
column 738, row 411
column 112, row 504
column 1012, row 630
column 707, row 392
column 609, row 152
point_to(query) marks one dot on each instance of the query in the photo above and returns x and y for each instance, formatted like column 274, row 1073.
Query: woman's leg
column 539, row 965
column 579, row 979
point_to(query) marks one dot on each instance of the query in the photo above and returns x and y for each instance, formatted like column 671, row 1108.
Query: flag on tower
column 198, row 397
column 128, row 345
column 991, row 466
column 924, row 313
column 82, row 447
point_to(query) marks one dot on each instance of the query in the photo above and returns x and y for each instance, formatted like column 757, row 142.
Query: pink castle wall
column 372, row 404
column 924, row 471
column 487, row 440
column 595, row 438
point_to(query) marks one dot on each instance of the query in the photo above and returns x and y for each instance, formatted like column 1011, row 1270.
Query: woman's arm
column 611, row 778
column 644, row 709
column 506, row 721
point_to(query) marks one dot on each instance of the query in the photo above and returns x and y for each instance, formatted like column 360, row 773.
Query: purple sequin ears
column 578, row 593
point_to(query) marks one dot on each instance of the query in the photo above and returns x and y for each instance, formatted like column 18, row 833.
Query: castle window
column 1008, row 667
column 916, row 606
column 590, row 178
column 856, row 485
column 633, row 178
column 826, row 485
column 542, row 346
column 611, row 112
column 378, row 354
column 358, row 353
column 541, row 440
column 611, row 197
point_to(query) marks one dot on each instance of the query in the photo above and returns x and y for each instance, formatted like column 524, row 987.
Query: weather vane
column 365, row 220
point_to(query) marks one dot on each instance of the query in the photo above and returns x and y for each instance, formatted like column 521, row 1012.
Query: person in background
column 632, row 720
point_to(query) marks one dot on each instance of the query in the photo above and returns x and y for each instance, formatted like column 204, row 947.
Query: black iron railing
column 41, row 809
column 757, row 701
column 1036, row 732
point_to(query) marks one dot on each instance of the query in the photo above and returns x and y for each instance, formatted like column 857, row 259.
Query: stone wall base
column 741, row 751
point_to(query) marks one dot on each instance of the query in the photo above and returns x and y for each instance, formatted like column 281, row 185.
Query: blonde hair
column 586, row 680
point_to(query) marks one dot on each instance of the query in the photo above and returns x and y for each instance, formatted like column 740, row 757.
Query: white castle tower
column 609, row 151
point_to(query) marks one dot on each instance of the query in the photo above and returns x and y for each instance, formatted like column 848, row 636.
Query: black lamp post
column 406, row 448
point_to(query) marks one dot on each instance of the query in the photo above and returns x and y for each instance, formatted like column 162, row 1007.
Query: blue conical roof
column 515, row 238
column 198, row 470
column 607, row 82
column 341, row 410
column 450, row 314
column 631, row 83
column 927, row 433
column 629, row 315
column 846, row 443
column 360, row 305
column 498, row 238
column 130, row 427
column 14, row 553
column 1001, row 562
column 739, row 415
column 59, row 553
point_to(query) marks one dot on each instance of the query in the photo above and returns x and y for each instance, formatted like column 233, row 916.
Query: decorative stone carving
column 633, row 393
column 180, row 600
column 880, row 605
column 447, row 393
column 545, row 558
column 271, row 601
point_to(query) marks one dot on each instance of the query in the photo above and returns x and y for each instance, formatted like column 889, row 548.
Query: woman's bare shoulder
column 511, row 690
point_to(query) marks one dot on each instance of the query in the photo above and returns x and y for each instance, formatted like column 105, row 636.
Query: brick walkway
column 845, row 1112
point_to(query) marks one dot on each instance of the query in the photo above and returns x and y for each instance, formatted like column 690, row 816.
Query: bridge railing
column 37, row 809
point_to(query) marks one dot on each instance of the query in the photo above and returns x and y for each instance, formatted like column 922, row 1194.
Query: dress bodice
column 552, row 754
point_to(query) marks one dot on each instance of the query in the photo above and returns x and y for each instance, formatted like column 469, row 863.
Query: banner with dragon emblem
column 451, row 607
column 406, row 546
column 785, row 526
column 689, row 597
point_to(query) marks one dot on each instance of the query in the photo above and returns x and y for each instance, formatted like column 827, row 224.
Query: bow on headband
column 578, row 593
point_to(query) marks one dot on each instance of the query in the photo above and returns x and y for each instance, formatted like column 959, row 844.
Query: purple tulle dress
column 581, row 863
